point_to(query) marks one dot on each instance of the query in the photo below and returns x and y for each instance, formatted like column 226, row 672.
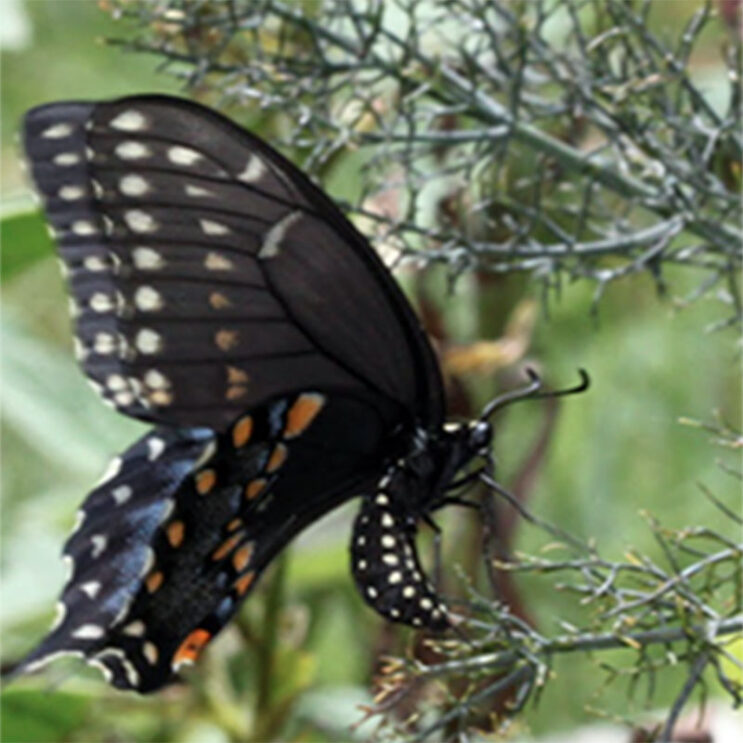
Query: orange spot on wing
column 236, row 375
column 235, row 392
column 175, row 533
column 226, row 547
column 242, row 584
column 234, row 524
column 241, row 558
column 219, row 301
column 277, row 458
column 191, row 647
column 254, row 488
column 242, row 431
column 154, row 581
column 205, row 481
column 226, row 339
column 302, row 413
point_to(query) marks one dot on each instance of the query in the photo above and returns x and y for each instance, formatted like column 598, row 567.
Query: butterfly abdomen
column 385, row 562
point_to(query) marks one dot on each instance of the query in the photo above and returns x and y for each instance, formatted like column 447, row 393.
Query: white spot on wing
column 149, row 650
column 132, row 150
column 208, row 452
column 149, row 562
column 197, row 191
column 65, row 159
column 104, row 344
column 121, row 494
column 83, row 227
column 113, row 469
column 210, row 227
column 183, row 155
column 95, row 263
column 156, row 446
column 61, row 613
column 57, row 131
column 147, row 259
column 133, row 185
column 129, row 121
column 99, row 542
column 148, row 299
column 148, row 341
column 156, row 380
column 101, row 302
column 91, row 588
column 140, row 221
column 395, row 577
column 217, row 262
column 254, row 170
column 135, row 629
column 71, row 193
column 88, row 632
column 272, row 239
column 123, row 399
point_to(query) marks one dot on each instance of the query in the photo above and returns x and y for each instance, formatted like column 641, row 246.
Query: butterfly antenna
column 531, row 391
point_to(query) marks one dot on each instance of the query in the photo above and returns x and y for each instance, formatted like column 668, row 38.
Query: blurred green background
column 616, row 450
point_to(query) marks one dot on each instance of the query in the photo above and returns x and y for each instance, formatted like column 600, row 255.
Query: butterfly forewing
column 208, row 273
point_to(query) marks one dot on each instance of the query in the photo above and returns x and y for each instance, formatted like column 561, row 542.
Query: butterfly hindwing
column 208, row 273
column 177, row 535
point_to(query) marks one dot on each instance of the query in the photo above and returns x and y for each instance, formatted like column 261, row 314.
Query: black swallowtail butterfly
column 221, row 296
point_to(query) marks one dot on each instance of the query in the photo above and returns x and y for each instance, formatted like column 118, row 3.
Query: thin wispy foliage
column 571, row 141
column 563, row 139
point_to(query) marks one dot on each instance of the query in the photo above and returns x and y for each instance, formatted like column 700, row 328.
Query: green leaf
column 37, row 716
column 24, row 240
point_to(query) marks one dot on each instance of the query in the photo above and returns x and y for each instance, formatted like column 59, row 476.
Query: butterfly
column 220, row 296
